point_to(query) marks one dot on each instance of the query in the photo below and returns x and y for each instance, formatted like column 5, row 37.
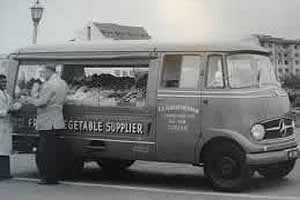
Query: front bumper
column 265, row 158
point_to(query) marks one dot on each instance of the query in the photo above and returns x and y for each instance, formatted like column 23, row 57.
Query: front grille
column 278, row 128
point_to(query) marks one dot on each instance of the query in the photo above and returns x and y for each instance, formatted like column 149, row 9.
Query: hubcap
column 227, row 168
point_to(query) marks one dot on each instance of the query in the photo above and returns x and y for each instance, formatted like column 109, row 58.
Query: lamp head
column 36, row 12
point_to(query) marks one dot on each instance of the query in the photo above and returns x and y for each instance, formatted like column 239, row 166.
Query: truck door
column 178, row 107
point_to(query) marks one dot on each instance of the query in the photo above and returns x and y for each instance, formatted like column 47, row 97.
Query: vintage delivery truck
column 216, row 105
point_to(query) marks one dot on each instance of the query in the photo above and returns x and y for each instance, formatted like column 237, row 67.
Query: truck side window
column 215, row 72
column 181, row 71
column 29, row 80
column 106, row 86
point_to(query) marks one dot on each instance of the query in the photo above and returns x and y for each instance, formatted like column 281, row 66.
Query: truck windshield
column 250, row 70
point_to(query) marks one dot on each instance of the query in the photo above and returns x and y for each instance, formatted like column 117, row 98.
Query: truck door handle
column 205, row 101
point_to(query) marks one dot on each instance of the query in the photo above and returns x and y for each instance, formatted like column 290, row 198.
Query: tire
column 277, row 171
column 225, row 167
column 114, row 164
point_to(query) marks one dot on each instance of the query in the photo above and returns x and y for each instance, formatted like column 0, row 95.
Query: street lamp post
column 36, row 14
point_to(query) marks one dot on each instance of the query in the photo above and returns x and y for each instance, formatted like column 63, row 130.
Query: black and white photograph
column 150, row 99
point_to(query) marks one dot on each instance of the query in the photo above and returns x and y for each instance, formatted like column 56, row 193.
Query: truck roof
column 97, row 48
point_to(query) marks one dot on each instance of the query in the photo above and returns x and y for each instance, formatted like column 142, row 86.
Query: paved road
column 144, row 180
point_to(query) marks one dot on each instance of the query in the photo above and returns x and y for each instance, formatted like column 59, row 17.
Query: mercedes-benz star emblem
column 282, row 128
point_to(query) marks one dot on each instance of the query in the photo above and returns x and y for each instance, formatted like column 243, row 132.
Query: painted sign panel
column 177, row 116
column 99, row 126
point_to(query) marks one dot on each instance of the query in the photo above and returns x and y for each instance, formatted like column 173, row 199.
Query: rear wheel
column 277, row 171
column 114, row 164
column 225, row 167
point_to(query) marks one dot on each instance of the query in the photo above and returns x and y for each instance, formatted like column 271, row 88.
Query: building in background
column 95, row 31
column 285, row 53
column 110, row 31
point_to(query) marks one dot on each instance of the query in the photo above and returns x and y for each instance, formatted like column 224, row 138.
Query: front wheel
column 277, row 171
column 114, row 164
column 225, row 167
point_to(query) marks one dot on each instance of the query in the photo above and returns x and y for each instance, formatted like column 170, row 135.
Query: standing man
column 5, row 127
column 49, row 123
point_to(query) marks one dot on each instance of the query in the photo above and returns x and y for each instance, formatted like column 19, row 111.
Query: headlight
column 258, row 132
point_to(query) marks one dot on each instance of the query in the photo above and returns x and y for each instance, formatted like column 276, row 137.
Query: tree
column 290, row 81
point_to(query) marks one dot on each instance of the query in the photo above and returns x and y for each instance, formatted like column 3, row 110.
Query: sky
column 163, row 19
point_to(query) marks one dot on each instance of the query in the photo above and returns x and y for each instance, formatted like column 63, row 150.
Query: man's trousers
column 47, row 157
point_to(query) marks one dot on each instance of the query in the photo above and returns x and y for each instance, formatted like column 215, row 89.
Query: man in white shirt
column 5, row 100
column 50, row 122
column 5, row 127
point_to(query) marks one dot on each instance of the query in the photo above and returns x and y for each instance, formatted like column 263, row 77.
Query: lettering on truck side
column 108, row 127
